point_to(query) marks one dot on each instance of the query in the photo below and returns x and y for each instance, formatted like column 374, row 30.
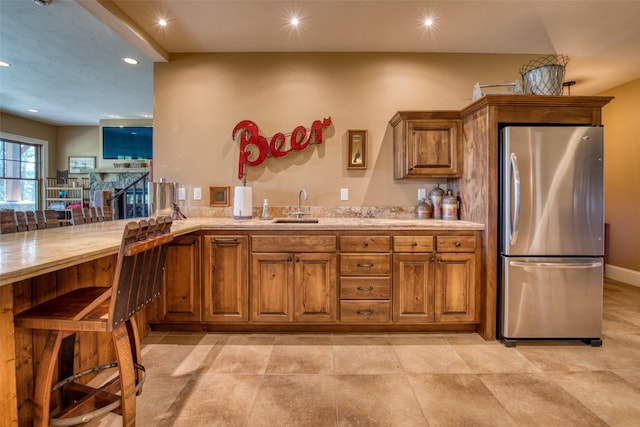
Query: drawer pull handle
column 360, row 288
column 365, row 265
column 364, row 313
column 365, row 244
column 458, row 244
column 222, row 240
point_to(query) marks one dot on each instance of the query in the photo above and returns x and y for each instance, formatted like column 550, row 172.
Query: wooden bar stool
column 51, row 217
column 77, row 216
column 8, row 223
column 137, row 282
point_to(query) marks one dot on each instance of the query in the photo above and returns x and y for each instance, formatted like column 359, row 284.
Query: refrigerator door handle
column 593, row 264
column 515, row 173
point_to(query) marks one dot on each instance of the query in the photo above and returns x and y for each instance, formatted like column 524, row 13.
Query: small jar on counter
column 423, row 210
column 450, row 206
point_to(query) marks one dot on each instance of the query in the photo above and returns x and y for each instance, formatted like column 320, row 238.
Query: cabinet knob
column 365, row 244
column 433, row 259
column 289, row 259
column 439, row 259
column 458, row 244
column 414, row 244
column 297, row 259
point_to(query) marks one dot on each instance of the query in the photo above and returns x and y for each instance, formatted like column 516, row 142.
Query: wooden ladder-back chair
column 137, row 282
column 32, row 224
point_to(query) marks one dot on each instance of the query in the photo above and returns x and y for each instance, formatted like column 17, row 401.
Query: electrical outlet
column 197, row 193
column 344, row 194
column 422, row 193
column 182, row 194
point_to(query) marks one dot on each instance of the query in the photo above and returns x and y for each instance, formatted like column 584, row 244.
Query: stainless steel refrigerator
column 551, row 233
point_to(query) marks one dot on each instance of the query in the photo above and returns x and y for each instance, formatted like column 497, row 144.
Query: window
column 19, row 175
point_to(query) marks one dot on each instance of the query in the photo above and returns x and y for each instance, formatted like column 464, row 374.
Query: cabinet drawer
column 365, row 264
column 279, row 243
column 413, row 244
column 362, row 311
column 365, row 287
column 365, row 243
column 456, row 243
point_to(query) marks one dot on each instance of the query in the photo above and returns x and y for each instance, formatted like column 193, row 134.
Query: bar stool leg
column 134, row 340
column 44, row 380
column 122, row 346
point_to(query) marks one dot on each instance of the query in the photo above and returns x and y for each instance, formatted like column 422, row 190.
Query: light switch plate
column 344, row 194
column 197, row 193
column 422, row 193
column 181, row 193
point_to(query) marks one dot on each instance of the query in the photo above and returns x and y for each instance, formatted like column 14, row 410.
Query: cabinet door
column 180, row 299
column 433, row 148
column 456, row 289
column 271, row 287
column 413, row 288
column 314, row 290
column 226, row 278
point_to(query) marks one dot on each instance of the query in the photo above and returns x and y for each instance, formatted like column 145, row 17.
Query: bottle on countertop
column 449, row 206
column 435, row 197
column 265, row 210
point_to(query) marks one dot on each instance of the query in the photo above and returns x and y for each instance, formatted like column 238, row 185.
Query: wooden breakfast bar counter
column 37, row 265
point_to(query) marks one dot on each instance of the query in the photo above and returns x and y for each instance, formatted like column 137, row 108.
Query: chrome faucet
column 299, row 212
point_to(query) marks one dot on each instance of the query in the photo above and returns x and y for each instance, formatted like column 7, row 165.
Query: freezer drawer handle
column 593, row 264
column 516, row 198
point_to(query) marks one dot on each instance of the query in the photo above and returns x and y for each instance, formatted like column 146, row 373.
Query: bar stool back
column 137, row 282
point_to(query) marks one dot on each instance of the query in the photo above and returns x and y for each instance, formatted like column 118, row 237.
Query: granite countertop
column 30, row 253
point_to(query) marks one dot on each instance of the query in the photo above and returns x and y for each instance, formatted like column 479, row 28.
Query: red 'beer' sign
column 276, row 147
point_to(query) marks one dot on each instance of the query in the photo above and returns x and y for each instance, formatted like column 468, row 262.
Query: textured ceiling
column 67, row 56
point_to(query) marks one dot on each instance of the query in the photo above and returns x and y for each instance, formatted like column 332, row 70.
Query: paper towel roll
column 242, row 205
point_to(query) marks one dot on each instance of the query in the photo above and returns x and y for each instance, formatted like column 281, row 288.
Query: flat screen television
column 127, row 142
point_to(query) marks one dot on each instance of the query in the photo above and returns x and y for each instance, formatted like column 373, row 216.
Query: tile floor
column 198, row 379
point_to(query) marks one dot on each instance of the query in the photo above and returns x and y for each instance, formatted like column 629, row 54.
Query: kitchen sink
column 296, row 221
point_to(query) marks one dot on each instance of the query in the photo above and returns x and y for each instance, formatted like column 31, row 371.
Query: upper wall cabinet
column 427, row 144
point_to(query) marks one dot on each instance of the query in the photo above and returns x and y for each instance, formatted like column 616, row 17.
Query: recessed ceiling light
column 4, row 64
column 162, row 22
column 131, row 61
column 295, row 21
column 32, row 110
column 42, row 2
column 428, row 22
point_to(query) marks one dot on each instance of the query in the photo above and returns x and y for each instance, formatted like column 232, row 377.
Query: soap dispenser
column 265, row 210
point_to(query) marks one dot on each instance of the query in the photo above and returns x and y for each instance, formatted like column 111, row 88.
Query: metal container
column 435, row 197
column 544, row 80
column 423, row 210
column 162, row 196
column 450, row 206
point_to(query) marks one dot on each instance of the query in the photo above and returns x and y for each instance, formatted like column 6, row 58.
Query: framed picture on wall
column 81, row 164
column 357, row 149
column 218, row 196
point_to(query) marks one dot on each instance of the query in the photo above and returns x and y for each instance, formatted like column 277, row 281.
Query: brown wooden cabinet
column 435, row 279
column 427, row 144
column 180, row 301
column 225, row 274
column 293, row 278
